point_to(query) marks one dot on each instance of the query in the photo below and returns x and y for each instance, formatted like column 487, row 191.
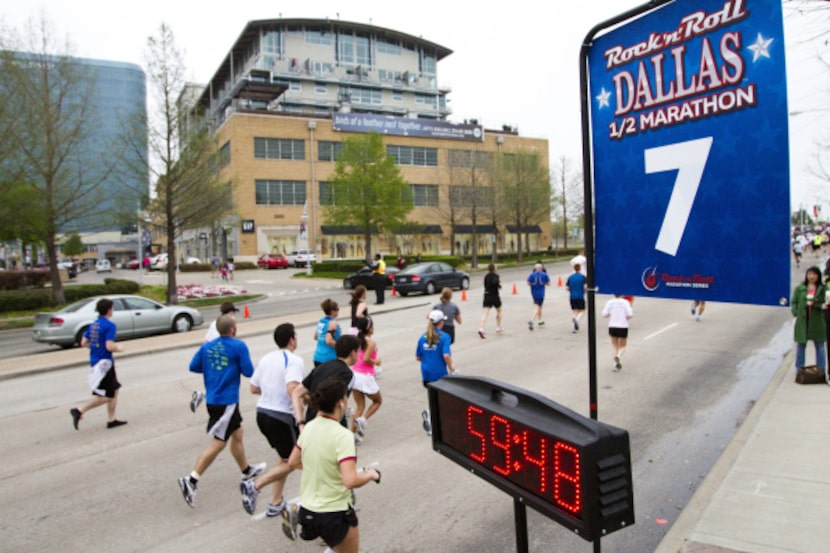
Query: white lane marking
column 661, row 331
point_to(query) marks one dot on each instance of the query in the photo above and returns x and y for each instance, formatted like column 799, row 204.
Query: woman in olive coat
column 808, row 301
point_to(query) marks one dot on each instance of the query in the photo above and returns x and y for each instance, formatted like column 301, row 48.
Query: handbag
column 810, row 375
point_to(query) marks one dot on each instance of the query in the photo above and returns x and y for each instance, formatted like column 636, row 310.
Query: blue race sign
column 690, row 149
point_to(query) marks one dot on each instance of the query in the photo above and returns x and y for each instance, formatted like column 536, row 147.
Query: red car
column 272, row 261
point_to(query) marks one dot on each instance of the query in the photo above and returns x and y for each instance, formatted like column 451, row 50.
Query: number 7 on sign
column 689, row 158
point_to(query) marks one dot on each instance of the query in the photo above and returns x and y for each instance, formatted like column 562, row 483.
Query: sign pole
column 520, row 516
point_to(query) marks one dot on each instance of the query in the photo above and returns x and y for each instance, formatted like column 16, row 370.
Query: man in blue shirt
column 222, row 362
column 537, row 281
column 576, row 287
column 99, row 337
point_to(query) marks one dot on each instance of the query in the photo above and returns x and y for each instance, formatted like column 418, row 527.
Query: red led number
column 472, row 410
column 566, row 477
column 495, row 422
column 540, row 460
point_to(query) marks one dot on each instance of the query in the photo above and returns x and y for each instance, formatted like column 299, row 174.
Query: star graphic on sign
column 761, row 48
column 602, row 98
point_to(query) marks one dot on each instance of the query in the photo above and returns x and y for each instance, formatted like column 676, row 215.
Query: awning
column 532, row 229
column 468, row 229
column 419, row 229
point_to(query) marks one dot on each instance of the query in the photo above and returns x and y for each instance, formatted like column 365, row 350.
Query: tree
column 184, row 158
column 73, row 246
column 367, row 189
column 567, row 196
column 470, row 193
column 51, row 167
column 524, row 190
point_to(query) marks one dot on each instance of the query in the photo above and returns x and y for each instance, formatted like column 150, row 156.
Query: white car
column 103, row 266
column 158, row 262
column 301, row 258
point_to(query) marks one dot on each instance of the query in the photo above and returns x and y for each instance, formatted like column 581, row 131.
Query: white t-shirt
column 580, row 260
column 274, row 371
column 618, row 310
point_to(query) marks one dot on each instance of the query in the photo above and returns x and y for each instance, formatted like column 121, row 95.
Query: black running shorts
column 331, row 527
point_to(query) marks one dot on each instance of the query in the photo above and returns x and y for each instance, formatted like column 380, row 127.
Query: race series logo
column 649, row 279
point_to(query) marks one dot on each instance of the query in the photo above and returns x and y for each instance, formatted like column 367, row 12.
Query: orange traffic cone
column 514, row 289
column 463, row 295
column 393, row 291
column 560, row 282
column 247, row 314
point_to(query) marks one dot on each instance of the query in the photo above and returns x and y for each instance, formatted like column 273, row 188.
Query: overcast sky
column 516, row 63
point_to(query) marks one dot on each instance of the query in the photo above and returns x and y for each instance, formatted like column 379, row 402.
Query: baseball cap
column 436, row 316
column 227, row 307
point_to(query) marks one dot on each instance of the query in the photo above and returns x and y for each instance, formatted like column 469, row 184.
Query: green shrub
column 41, row 298
column 245, row 266
column 15, row 280
column 195, row 267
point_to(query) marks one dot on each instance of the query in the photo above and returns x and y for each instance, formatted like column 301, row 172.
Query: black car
column 430, row 278
column 365, row 277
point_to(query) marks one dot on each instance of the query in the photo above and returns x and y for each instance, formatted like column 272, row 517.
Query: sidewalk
column 770, row 490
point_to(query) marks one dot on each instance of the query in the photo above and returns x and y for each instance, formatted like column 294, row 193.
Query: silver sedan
column 134, row 316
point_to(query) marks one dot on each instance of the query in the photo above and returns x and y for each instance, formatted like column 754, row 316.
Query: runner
column 433, row 352
column 538, row 281
column 275, row 378
column 576, row 287
column 327, row 333
column 618, row 311
column 221, row 362
column 492, row 285
column 365, row 384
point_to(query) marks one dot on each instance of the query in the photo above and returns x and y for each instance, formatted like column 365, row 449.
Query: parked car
column 365, row 277
column 103, row 266
column 272, row 261
column 134, row 316
column 192, row 261
column 301, row 258
column 133, row 264
column 430, row 277
column 158, row 262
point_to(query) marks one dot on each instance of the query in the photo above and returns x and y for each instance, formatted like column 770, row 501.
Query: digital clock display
column 573, row 469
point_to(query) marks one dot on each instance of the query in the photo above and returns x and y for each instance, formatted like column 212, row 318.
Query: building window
column 328, row 151
column 271, row 47
column 326, row 193
column 372, row 96
column 411, row 155
column 389, row 46
column 397, row 96
column 425, row 99
column 225, row 154
column 427, row 64
column 320, row 88
column 279, row 148
column 353, row 49
column 295, row 86
column 280, row 192
column 424, row 195
column 471, row 196
column 320, row 67
column 469, row 158
column 388, row 75
column 314, row 36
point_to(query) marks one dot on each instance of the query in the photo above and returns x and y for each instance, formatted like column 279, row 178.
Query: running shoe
column 500, row 330
column 541, row 323
column 254, row 471
column 576, row 325
column 530, row 325
column 196, row 400
column 481, row 333
column 427, row 424
column 188, row 491
column 290, row 521
column 617, row 363
column 249, row 495
column 76, row 416
column 693, row 310
column 115, row 422
column 360, row 426
column 275, row 509
column 358, row 440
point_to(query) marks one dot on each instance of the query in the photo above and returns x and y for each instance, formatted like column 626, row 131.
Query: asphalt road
column 684, row 388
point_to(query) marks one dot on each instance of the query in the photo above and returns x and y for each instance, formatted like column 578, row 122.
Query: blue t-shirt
column 222, row 362
column 538, row 280
column 576, row 285
column 433, row 365
column 325, row 352
column 98, row 333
